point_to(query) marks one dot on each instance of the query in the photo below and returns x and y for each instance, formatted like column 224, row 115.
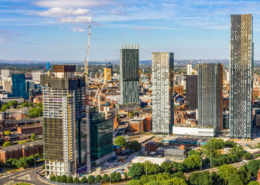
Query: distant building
column 241, row 76
column 19, row 86
column 129, row 74
column 7, row 84
column 189, row 69
column 163, row 102
column 107, row 74
column 109, row 65
column 91, row 74
column 5, row 73
column 36, row 76
column 192, row 91
column 210, row 102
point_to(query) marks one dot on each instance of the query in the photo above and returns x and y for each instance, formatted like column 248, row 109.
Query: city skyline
column 56, row 30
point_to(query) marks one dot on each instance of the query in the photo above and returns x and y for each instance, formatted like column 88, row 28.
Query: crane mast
column 87, row 103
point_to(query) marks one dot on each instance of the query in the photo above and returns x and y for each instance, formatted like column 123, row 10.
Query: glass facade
column 210, row 97
column 241, row 76
column 19, row 86
column 192, row 91
column 163, row 103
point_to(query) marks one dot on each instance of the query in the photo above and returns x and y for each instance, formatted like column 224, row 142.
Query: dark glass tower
column 19, row 86
column 241, row 76
column 192, row 91
column 210, row 82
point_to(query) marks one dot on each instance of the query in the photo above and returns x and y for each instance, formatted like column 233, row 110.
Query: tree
column 9, row 161
column 126, row 175
column 120, row 141
column 12, row 103
column 76, row 180
column 234, row 179
column 118, row 177
column 37, row 155
column 135, row 145
column 43, row 166
column 35, row 112
column 91, row 179
column 136, row 171
column 33, row 136
column 230, row 144
column 166, row 166
column 7, row 133
column 253, row 166
column 192, row 161
column 105, row 178
column 4, row 107
column 22, row 142
column 70, row 179
column 247, row 155
column 113, row 177
column 63, row 178
column 253, row 183
column 178, row 166
column 39, row 105
column 193, row 152
column 7, row 143
column 98, row 178
column 224, row 171
column 23, row 161
column 52, row 177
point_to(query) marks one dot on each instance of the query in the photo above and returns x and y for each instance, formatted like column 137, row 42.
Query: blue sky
column 56, row 30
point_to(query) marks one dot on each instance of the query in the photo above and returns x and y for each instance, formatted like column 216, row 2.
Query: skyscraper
column 107, row 74
column 192, row 91
column 163, row 103
column 64, row 132
column 19, row 86
column 210, row 97
column 241, row 76
column 189, row 69
column 129, row 73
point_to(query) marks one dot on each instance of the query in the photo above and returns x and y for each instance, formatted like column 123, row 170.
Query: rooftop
column 25, row 145
column 153, row 160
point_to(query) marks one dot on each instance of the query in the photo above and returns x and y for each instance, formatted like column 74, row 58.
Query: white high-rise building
column 189, row 69
column 163, row 103
column 5, row 73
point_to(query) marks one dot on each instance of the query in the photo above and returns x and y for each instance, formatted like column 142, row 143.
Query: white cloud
column 77, row 29
column 75, row 19
column 73, row 3
column 60, row 12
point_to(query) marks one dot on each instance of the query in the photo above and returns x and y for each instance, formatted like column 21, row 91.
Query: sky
column 57, row 30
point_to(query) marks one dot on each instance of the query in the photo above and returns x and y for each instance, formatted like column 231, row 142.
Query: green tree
column 52, row 177
column 7, row 133
column 35, row 112
column 43, row 166
column 23, row 161
column 247, row 155
column 178, row 166
column 253, row 166
column 4, row 107
column 105, row 178
column 253, row 183
column 230, row 144
column 98, row 178
column 33, row 137
column 76, row 180
column 113, row 177
column 193, row 152
column 136, row 171
column 192, row 161
column 37, row 155
column 224, row 172
column 166, row 166
column 22, row 142
column 39, row 105
column 69, row 179
column 91, row 179
column 63, row 178
column 9, row 161
column 135, row 145
column 126, row 175
column 7, row 143
column 84, row 180
column 118, row 177
column 234, row 179
column 120, row 141
column 12, row 103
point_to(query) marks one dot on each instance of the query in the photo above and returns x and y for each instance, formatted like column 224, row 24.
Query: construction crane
column 87, row 103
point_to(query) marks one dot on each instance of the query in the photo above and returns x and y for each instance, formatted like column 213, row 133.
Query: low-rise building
column 154, row 160
column 193, row 131
column 171, row 152
column 22, row 150
column 37, row 129
column 151, row 146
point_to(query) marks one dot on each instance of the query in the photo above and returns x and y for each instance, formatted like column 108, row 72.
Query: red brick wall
column 148, row 123
column 134, row 127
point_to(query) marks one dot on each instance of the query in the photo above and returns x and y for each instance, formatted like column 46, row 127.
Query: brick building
column 37, row 129
column 178, row 89
column 140, row 124
column 22, row 150
column 151, row 146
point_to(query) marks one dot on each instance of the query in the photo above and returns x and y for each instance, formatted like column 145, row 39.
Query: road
column 15, row 175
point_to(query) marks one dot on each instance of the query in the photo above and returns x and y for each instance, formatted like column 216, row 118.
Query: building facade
column 192, row 91
column 163, row 102
column 129, row 74
column 64, row 134
column 189, row 69
column 5, row 73
column 19, row 86
column 107, row 74
column 210, row 96
column 241, row 76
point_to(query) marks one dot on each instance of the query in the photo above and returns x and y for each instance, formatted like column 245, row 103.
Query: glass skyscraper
column 19, row 86
column 210, row 97
column 162, row 95
column 129, row 74
column 241, row 76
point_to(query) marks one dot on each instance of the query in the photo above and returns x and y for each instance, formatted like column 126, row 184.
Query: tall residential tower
column 210, row 97
column 163, row 103
column 129, row 73
column 241, row 76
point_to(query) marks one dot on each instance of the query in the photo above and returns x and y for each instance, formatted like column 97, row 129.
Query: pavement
column 14, row 176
